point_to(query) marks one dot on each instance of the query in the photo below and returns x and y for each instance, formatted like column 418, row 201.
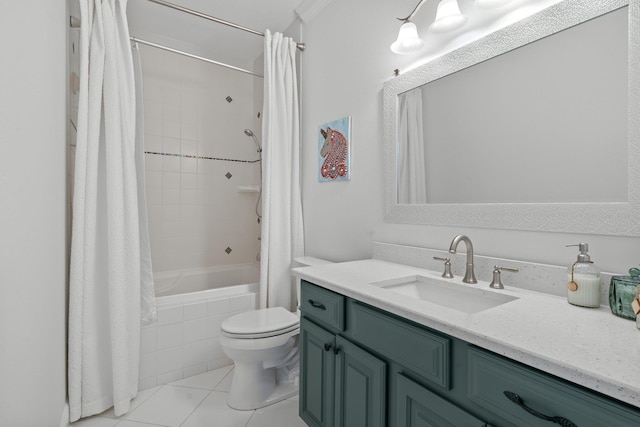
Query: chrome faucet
column 469, row 275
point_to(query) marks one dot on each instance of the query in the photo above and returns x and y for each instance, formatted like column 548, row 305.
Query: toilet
column 263, row 345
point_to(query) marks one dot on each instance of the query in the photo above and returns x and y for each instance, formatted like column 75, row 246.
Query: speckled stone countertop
column 587, row 346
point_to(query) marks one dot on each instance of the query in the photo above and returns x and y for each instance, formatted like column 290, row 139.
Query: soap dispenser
column 583, row 280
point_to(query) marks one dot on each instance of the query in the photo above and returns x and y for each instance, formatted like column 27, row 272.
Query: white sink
column 467, row 299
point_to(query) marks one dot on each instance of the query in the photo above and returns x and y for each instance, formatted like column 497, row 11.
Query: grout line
column 196, row 408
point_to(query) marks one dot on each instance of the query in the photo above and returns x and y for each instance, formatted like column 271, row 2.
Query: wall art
column 334, row 150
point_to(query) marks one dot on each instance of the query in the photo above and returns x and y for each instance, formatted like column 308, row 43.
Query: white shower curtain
column 282, row 233
column 412, row 183
column 105, row 304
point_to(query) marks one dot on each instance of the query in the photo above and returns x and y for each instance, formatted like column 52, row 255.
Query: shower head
column 250, row 133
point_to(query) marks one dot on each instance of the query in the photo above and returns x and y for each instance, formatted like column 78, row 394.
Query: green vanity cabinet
column 363, row 366
column 341, row 384
column 317, row 383
column 524, row 397
column 419, row 407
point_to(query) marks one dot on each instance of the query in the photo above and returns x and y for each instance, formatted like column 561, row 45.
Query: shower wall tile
column 152, row 163
column 171, row 112
column 148, row 340
column 186, row 114
column 170, row 336
column 189, row 165
column 170, row 145
column 188, row 147
column 152, row 109
column 189, row 181
column 169, row 360
column 195, row 311
column 188, row 213
column 148, row 365
column 199, row 347
column 171, row 164
column 240, row 303
column 171, row 213
column 196, row 353
column 152, row 143
column 168, row 316
column 153, row 127
column 171, row 180
column 170, row 197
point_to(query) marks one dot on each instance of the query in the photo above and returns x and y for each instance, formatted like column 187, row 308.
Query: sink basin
column 448, row 294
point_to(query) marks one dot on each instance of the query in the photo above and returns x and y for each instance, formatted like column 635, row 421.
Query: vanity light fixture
column 448, row 18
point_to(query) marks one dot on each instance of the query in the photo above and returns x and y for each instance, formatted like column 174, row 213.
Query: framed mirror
column 533, row 127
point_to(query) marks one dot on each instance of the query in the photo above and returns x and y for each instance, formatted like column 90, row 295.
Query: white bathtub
column 187, row 281
column 184, row 341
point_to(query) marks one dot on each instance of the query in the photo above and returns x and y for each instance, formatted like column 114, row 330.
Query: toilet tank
column 305, row 261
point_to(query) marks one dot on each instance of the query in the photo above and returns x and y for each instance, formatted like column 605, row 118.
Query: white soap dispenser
column 583, row 282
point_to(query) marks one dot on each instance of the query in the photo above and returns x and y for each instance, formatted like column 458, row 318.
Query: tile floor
column 197, row 401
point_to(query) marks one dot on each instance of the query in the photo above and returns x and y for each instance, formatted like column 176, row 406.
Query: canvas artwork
column 334, row 141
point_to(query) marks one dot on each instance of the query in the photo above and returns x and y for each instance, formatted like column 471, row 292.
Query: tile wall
column 185, row 340
column 195, row 116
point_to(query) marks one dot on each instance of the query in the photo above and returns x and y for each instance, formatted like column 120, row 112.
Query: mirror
column 468, row 144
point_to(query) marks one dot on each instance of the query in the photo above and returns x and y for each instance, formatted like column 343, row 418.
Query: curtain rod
column 300, row 46
column 190, row 55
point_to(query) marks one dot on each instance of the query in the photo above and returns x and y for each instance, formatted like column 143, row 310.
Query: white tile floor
column 198, row 401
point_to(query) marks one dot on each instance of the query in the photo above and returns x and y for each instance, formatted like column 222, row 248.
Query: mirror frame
column 608, row 218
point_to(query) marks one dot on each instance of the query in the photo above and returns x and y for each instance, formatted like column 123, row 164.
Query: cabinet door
column 360, row 387
column 317, row 373
column 419, row 407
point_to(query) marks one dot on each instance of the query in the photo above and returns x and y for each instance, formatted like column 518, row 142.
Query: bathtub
column 192, row 304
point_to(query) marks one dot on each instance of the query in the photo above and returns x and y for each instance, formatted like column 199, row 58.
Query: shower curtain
column 109, row 272
column 412, row 183
column 282, row 233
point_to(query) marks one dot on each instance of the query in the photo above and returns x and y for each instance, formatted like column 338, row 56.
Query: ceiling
column 163, row 25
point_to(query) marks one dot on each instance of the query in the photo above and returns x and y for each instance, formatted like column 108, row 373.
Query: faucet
column 469, row 275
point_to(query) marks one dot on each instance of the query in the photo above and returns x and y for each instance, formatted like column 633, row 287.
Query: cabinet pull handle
column 327, row 347
column 317, row 305
column 557, row 420
column 336, row 350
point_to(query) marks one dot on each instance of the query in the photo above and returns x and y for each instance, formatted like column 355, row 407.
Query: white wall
column 345, row 65
column 32, row 214
column 195, row 211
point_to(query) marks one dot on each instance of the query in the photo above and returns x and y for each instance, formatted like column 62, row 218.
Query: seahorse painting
column 335, row 152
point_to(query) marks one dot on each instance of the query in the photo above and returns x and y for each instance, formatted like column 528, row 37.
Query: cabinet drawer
column 423, row 352
column 491, row 376
column 322, row 305
column 418, row 406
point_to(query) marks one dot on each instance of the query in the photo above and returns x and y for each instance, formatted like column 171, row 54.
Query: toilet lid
column 260, row 323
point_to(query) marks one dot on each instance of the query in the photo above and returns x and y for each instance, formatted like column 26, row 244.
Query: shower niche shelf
column 248, row 189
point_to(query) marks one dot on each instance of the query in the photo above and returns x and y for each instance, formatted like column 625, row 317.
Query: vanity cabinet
column 341, row 384
column 362, row 366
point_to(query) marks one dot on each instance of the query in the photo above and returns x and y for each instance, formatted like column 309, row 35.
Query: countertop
column 587, row 346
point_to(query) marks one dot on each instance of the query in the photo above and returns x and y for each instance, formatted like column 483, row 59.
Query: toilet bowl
column 263, row 345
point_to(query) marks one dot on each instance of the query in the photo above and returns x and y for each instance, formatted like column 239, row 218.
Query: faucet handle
column 496, row 283
column 447, row 267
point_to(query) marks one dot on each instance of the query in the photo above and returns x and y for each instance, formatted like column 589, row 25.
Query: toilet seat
column 263, row 323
